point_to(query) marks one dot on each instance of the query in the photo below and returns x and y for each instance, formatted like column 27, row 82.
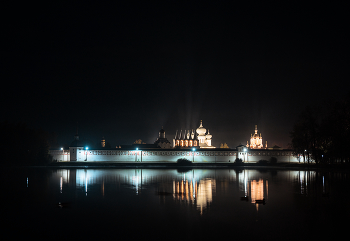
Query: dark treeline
column 22, row 145
column 322, row 132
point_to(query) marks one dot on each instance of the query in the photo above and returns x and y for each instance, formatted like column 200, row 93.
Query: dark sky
column 123, row 71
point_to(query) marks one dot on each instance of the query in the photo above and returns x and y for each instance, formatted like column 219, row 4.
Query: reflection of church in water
column 258, row 191
column 190, row 139
column 193, row 192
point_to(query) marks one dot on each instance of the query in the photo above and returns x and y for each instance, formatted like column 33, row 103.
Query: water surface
column 197, row 204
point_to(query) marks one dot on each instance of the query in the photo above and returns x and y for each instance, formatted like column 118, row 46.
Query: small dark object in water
column 260, row 201
column 245, row 198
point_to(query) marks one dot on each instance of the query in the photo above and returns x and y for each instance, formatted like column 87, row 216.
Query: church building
column 162, row 141
column 188, row 139
column 256, row 140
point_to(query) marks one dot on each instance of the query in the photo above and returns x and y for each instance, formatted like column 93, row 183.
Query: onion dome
column 162, row 133
column 256, row 135
column 201, row 130
column 208, row 136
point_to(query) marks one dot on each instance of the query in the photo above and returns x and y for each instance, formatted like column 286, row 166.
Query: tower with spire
column 75, row 146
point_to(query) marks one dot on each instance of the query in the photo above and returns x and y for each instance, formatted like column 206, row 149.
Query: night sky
column 122, row 71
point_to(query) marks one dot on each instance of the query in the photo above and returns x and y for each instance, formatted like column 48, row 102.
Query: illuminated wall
column 172, row 155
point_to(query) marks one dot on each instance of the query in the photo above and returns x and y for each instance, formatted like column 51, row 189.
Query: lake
column 172, row 204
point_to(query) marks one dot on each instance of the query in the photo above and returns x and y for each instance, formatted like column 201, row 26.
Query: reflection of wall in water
column 305, row 178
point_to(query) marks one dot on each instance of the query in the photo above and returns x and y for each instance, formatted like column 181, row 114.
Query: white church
column 188, row 139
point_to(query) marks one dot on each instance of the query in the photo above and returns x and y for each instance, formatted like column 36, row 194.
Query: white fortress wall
column 60, row 155
column 172, row 155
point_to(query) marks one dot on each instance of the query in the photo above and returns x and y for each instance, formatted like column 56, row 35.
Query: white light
column 86, row 148
column 193, row 149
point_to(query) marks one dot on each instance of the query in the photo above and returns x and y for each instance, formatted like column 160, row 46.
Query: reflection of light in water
column 267, row 189
column 61, row 184
column 85, row 184
column 184, row 190
column 257, row 191
column 135, row 182
column 301, row 183
column 245, row 184
column 304, row 177
column 192, row 191
column 27, row 181
column 64, row 173
column 83, row 176
column 205, row 191
column 323, row 188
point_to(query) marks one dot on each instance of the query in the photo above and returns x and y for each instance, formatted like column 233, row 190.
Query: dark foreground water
column 170, row 204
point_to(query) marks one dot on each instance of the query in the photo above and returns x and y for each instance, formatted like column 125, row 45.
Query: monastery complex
column 195, row 146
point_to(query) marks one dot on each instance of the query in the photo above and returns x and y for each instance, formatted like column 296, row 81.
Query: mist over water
column 173, row 204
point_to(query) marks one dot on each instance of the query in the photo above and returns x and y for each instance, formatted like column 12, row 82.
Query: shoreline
column 163, row 165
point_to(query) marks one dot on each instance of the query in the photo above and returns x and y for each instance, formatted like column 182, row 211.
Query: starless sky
column 124, row 70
